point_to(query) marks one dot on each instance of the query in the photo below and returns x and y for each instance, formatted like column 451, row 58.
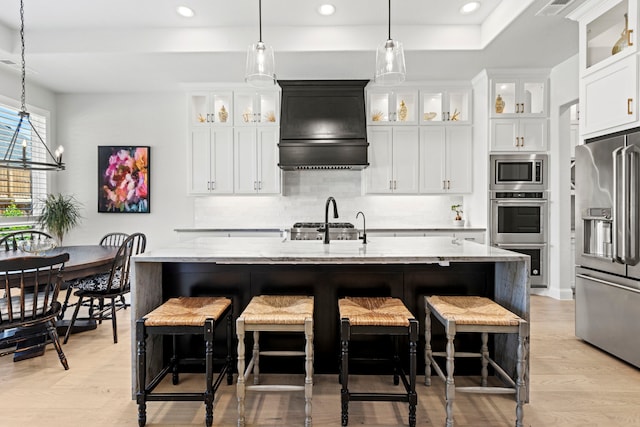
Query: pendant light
column 390, row 68
column 27, row 133
column 260, row 64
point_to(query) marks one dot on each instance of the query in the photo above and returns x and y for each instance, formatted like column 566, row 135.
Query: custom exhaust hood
column 323, row 125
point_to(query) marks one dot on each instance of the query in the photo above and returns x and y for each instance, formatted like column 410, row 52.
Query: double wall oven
column 519, row 209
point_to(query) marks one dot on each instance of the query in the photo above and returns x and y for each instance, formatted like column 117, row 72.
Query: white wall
column 564, row 92
column 157, row 120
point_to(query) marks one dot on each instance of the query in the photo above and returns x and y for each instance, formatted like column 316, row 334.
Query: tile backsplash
column 303, row 198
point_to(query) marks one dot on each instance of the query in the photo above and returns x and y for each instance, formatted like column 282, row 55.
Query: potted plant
column 457, row 221
column 59, row 215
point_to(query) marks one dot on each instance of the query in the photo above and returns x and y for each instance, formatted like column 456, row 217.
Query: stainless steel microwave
column 518, row 172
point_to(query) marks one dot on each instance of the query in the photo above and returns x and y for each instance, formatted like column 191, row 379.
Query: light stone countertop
column 277, row 250
column 369, row 230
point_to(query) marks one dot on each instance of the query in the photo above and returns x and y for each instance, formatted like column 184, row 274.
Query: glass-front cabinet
column 210, row 108
column 608, row 32
column 518, row 97
column 397, row 107
column 253, row 108
column 439, row 105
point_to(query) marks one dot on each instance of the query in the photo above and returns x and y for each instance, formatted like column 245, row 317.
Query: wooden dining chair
column 29, row 302
column 108, row 286
column 9, row 242
column 109, row 239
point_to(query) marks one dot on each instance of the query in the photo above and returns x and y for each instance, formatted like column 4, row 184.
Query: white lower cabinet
column 609, row 97
column 519, row 134
column 393, row 158
column 256, row 160
column 211, row 152
column 446, row 154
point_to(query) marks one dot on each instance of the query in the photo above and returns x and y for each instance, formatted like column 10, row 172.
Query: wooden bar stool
column 378, row 316
column 275, row 313
column 184, row 316
column 476, row 314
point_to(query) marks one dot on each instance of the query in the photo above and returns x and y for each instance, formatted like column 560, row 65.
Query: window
column 21, row 190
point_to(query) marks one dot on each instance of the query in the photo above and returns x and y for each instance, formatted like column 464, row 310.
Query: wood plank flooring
column 572, row 384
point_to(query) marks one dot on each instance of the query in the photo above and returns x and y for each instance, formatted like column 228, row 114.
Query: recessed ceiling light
column 470, row 7
column 185, row 11
column 326, row 9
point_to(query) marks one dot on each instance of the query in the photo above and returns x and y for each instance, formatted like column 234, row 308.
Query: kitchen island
column 403, row 267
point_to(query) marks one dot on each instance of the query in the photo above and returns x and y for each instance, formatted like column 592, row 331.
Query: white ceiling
column 143, row 45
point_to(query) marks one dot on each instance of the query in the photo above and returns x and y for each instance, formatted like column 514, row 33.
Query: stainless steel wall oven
column 518, row 217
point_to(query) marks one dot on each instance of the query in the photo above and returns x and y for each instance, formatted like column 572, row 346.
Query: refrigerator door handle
column 630, row 166
column 616, row 224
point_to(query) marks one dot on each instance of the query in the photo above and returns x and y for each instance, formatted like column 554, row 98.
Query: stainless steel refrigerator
column 607, row 216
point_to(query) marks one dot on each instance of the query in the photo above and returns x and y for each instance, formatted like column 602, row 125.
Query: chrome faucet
column 326, row 217
column 364, row 227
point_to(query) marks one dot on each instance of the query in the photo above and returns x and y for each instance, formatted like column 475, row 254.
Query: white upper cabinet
column 394, row 161
column 518, row 97
column 449, row 105
column 256, row 161
column 398, row 106
column 608, row 32
column 210, row 108
column 519, row 134
column 253, row 108
column 211, row 155
column 446, row 154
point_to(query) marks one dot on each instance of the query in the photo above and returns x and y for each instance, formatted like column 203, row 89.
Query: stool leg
column 240, row 383
column 256, row 357
column 209, row 336
column 396, row 361
column 308, row 370
column 450, row 391
column 427, row 344
column 413, row 397
column 229, row 347
column 175, row 375
column 141, row 395
column 484, row 358
column 523, row 335
column 345, row 335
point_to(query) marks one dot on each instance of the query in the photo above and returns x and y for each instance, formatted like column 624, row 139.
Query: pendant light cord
column 389, row 20
column 260, row 19
column 23, row 99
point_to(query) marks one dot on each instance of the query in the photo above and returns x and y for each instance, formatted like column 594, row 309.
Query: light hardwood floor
column 572, row 384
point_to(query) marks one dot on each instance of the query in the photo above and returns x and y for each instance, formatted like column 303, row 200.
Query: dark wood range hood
column 323, row 125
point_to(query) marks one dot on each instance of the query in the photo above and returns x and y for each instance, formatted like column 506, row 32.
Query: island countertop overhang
column 385, row 250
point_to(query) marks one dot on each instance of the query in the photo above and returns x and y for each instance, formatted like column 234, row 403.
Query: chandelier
column 26, row 132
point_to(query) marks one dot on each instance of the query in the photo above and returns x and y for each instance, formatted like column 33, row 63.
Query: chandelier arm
column 33, row 128
column 14, row 138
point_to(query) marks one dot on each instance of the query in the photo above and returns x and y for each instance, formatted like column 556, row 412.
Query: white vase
column 458, row 222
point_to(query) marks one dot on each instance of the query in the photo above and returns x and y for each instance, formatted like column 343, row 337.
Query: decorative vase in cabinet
column 499, row 105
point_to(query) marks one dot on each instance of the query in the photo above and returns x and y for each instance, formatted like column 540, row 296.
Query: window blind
column 21, row 190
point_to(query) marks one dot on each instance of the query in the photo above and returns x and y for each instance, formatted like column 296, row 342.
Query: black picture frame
column 124, row 179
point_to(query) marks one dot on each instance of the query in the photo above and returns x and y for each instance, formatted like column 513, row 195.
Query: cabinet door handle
column 390, row 185
column 395, row 184
column 213, row 185
column 444, row 185
column 629, row 41
column 629, row 102
column 208, row 185
column 522, row 141
column 517, row 144
column 255, row 185
column 448, row 185
column 259, row 185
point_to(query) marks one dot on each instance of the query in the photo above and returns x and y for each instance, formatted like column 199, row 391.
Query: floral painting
column 123, row 179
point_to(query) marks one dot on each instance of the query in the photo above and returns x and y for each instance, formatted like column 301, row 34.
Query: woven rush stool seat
column 184, row 316
column 378, row 316
column 274, row 313
column 484, row 316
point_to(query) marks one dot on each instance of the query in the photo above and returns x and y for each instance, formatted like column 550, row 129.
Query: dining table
column 84, row 261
